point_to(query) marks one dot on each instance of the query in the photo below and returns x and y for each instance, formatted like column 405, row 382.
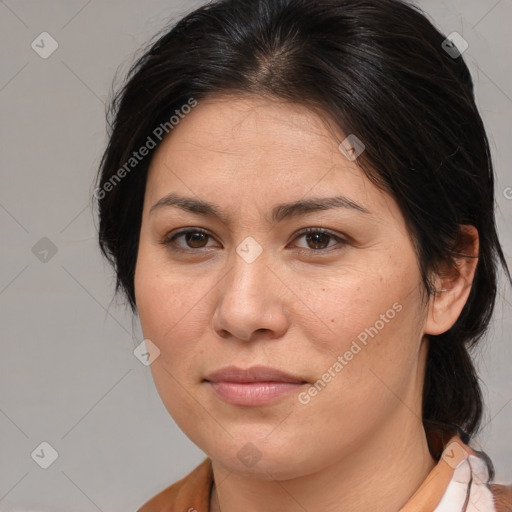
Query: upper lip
column 252, row 374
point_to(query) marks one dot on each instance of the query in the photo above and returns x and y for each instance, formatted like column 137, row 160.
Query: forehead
column 250, row 137
column 249, row 154
column 241, row 117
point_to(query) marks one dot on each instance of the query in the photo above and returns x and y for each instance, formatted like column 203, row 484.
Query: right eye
column 194, row 238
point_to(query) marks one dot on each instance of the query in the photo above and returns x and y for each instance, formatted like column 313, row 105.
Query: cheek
column 354, row 300
column 166, row 307
column 164, row 295
column 175, row 311
column 364, row 378
column 370, row 321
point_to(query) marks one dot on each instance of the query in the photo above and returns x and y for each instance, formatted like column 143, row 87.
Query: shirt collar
column 458, row 483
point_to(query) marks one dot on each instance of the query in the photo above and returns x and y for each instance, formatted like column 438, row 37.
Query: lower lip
column 253, row 393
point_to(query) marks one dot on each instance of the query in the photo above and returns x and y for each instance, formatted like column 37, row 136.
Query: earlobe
column 453, row 284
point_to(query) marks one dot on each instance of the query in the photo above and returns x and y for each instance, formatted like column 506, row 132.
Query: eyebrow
column 279, row 212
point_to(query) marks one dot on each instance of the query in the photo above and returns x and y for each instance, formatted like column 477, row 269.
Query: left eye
column 316, row 238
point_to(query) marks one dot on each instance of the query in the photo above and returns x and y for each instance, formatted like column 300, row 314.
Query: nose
column 251, row 301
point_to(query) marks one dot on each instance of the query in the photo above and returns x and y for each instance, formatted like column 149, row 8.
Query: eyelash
column 169, row 241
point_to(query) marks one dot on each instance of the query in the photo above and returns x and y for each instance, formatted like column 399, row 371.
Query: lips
column 251, row 387
column 252, row 374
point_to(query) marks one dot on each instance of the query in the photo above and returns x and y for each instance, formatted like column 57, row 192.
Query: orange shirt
column 458, row 483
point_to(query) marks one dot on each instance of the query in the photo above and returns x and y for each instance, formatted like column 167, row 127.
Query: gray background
column 67, row 372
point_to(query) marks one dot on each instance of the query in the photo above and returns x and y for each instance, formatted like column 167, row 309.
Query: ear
column 453, row 285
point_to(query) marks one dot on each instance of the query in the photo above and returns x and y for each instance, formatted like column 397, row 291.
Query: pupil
column 196, row 237
column 316, row 239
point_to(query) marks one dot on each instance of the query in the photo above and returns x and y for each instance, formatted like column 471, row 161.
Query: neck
column 380, row 475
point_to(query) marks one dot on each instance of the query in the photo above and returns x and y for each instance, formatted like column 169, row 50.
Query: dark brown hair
column 378, row 69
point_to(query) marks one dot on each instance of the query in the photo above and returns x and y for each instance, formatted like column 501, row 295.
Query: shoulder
column 502, row 495
column 191, row 493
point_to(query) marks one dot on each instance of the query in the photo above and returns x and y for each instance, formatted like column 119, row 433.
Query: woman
column 297, row 197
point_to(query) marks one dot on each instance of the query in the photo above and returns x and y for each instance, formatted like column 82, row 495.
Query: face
column 338, row 309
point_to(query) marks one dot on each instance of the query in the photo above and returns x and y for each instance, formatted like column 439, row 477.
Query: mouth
column 253, row 386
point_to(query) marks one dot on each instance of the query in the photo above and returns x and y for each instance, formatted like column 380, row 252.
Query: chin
column 263, row 461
